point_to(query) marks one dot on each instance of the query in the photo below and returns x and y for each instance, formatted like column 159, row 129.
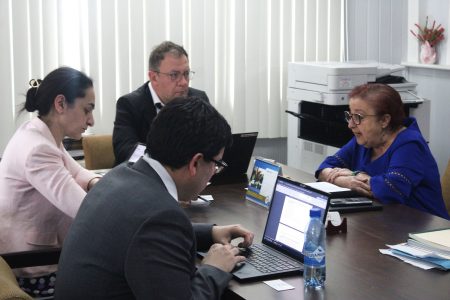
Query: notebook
column 237, row 158
column 262, row 181
column 284, row 233
column 334, row 190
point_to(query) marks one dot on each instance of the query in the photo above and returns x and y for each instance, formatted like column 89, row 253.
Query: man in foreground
column 132, row 240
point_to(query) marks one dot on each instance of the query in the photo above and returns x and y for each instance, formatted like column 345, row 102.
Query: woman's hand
column 337, row 172
column 345, row 178
column 359, row 183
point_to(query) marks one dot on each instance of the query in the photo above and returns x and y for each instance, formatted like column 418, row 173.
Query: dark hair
column 63, row 81
column 158, row 53
column 384, row 99
column 185, row 127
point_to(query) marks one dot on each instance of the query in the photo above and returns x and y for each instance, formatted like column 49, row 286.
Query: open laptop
column 284, row 233
column 237, row 158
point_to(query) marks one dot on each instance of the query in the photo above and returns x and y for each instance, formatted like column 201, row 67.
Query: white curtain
column 239, row 50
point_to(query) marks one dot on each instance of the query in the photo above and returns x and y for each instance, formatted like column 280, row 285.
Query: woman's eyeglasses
column 356, row 118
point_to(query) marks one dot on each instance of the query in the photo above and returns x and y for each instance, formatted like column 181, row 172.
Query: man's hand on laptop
column 223, row 257
column 225, row 234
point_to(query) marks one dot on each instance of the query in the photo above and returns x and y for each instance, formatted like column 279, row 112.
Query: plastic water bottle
column 314, row 251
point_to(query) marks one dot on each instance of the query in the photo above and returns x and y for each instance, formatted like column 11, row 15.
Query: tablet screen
column 262, row 182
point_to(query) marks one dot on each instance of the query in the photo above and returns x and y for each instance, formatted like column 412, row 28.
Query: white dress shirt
column 165, row 176
column 156, row 101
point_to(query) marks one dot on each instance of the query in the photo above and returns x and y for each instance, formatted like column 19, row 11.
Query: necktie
column 158, row 105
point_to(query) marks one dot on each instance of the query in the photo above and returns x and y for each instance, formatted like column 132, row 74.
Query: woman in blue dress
column 387, row 158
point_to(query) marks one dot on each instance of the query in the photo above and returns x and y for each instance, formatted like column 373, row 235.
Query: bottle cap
column 314, row 212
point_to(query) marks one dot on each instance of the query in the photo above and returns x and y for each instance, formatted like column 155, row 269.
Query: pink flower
column 431, row 35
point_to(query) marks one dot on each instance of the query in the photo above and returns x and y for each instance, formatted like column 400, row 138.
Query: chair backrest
column 98, row 152
column 445, row 182
column 9, row 288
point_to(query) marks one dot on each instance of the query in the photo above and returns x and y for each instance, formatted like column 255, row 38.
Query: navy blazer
column 132, row 240
column 134, row 114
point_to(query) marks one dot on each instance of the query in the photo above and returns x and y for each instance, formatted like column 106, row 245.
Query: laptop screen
column 237, row 158
column 289, row 215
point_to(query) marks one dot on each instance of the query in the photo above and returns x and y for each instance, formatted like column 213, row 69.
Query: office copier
column 317, row 96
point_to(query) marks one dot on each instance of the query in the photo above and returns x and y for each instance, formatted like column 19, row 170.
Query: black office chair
column 9, row 288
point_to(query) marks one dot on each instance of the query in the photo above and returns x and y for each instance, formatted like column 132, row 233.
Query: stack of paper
column 333, row 190
column 434, row 240
column 425, row 250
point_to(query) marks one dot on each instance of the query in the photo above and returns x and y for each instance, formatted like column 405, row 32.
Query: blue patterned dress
column 406, row 173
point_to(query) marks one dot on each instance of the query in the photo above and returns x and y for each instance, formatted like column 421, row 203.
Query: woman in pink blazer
column 41, row 185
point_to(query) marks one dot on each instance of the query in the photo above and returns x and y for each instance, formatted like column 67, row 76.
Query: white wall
column 379, row 30
column 435, row 85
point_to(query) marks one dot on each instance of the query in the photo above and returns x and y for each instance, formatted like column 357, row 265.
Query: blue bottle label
column 315, row 258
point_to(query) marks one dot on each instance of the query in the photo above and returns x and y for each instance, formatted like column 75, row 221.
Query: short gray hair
column 158, row 53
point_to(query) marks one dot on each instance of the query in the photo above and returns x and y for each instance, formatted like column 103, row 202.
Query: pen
column 204, row 199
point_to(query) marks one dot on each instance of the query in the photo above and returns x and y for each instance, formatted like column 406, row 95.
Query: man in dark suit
column 132, row 240
column 169, row 76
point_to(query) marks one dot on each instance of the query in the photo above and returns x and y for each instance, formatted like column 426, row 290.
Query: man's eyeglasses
column 176, row 76
column 357, row 118
column 220, row 165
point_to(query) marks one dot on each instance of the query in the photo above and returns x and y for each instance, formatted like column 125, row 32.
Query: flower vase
column 427, row 53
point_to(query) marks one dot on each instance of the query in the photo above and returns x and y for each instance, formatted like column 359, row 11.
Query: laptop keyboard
column 266, row 262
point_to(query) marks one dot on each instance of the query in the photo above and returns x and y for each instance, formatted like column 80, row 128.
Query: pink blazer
column 41, row 189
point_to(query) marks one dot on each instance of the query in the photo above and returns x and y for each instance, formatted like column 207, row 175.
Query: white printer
column 317, row 97
column 330, row 82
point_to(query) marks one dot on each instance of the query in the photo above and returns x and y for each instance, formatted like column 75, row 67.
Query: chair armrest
column 32, row 258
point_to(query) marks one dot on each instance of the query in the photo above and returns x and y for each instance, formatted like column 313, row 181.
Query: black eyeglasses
column 220, row 165
column 356, row 118
column 176, row 76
